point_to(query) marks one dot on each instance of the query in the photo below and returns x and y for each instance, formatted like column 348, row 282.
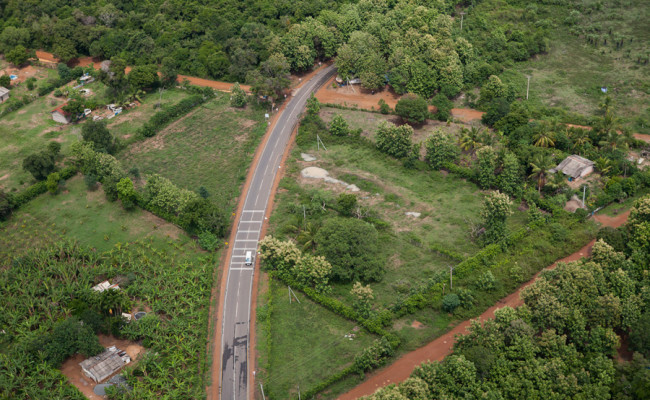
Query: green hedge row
column 37, row 189
column 169, row 114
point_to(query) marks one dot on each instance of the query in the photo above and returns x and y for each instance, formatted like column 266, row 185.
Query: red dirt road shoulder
column 441, row 347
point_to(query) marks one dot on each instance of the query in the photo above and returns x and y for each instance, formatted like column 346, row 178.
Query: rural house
column 4, row 94
column 105, row 364
column 61, row 116
column 574, row 167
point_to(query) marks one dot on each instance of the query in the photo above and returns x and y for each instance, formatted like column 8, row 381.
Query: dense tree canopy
column 352, row 247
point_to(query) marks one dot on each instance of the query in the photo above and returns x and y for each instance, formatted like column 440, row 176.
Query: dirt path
column 354, row 95
column 86, row 61
column 640, row 136
column 441, row 347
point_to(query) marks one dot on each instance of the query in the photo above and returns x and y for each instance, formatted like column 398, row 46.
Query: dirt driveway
column 441, row 347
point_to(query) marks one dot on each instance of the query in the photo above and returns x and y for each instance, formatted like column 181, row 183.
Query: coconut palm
column 470, row 140
column 603, row 165
column 540, row 166
column 580, row 138
column 307, row 236
column 545, row 137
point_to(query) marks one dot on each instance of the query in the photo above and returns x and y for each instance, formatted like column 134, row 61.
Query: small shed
column 4, row 94
column 105, row 364
column 61, row 116
column 574, row 167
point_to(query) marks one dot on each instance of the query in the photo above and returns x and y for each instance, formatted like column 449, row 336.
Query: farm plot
column 210, row 147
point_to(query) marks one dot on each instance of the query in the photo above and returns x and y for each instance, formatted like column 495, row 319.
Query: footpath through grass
column 211, row 147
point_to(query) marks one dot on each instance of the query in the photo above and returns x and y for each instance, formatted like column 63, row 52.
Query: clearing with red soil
column 72, row 370
column 441, row 347
column 354, row 95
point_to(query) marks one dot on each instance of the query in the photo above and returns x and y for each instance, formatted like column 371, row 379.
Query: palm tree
column 603, row 165
column 580, row 138
column 540, row 166
column 545, row 137
column 307, row 236
column 612, row 140
column 470, row 140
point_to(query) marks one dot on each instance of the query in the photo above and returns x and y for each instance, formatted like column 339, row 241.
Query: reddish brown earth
column 354, row 95
column 441, row 347
column 96, row 63
column 640, row 136
column 72, row 370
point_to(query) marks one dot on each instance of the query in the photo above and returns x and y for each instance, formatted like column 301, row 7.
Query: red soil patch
column 23, row 73
column 354, row 95
column 441, row 347
column 72, row 370
column 417, row 324
column 96, row 63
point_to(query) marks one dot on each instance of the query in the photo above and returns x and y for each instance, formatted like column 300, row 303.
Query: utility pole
column 527, row 86
column 262, row 389
column 462, row 14
column 451, row 278
column 299, row 393
column 584, row 191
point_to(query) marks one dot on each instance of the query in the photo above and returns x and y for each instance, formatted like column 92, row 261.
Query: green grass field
column 572, row 72
column 29, row 130
column 87, row 217
column 304, row 350
column 212, row 147
column 127, row 123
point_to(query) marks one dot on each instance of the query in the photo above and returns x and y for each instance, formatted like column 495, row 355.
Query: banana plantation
column 50, row 312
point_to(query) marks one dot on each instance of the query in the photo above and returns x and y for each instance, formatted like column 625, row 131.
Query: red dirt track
column 441, row 347
column 44, row 56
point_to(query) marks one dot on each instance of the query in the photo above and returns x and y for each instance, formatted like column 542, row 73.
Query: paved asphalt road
column 237, row 304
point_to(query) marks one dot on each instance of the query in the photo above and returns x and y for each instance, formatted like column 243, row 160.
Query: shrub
column 384, row 108
column 443, row 107
column 54, row 148
column 6, row 205
column 440, row 150
column 237, row 96
column 450, row 302
column 394, row 140
column 126, row 193
column 486, row 282
column 208, row 241
column 97, row 133
column 169, row 114
column 339, row 126
column 346, row 203
column 496, row 208
column 52, row 182
column 412, row 108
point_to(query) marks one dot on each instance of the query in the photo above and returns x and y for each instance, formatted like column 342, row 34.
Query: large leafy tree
column 272, row 77
column 40, row 165
column 97, row 133
column 352, row 247
column 18, row 56
column 496, row 209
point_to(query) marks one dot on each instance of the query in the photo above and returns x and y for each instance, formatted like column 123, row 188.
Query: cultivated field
column 212, row 147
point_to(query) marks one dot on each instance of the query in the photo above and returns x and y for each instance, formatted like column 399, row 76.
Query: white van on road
column 249, row 258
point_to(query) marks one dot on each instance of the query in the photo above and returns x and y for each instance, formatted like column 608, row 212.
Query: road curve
column 236, row 298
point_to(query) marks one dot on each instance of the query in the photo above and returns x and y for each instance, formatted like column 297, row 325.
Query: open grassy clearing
column 304, row 351
column 368, row 122
column 19, row 90
column 127, row 123
column 31, row 128
column 88, row 218
column 212, row 147
column 571, row 74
